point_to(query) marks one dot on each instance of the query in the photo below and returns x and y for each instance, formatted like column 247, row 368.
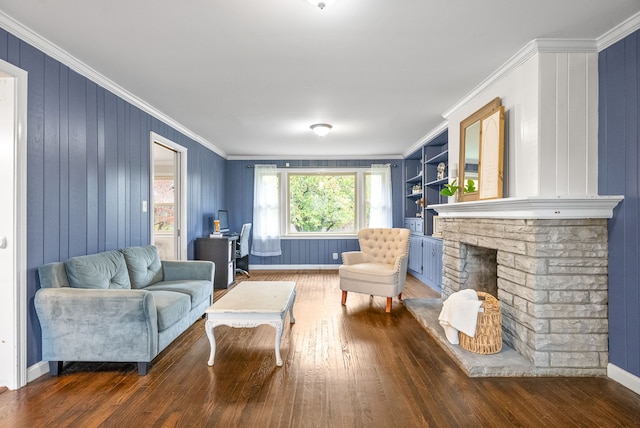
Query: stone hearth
column 551, row 278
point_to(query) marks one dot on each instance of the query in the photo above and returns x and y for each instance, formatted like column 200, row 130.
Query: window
column 322, row 203
column 325, row 203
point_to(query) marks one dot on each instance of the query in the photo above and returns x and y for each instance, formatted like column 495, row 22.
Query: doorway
column 13, row 217
column 168, row 198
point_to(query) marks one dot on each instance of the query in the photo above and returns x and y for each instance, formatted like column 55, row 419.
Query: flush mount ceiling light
column 321, row 129
column 321, row 4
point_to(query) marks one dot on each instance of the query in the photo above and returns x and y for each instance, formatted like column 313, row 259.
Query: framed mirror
column 481, row 153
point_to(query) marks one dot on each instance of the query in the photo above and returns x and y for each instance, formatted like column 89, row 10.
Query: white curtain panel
column 381, row 213
column 266, row 211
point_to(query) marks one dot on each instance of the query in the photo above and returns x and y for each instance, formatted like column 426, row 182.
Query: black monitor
column 223, row 216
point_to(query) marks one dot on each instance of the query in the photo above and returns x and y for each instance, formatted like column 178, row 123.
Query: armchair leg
column 388, row 309
column 344, row 297
column 400, row 296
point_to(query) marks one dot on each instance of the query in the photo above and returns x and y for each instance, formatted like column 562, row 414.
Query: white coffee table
column 250, row 304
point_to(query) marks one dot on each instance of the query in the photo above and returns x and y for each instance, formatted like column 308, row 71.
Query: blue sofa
column 118, row 306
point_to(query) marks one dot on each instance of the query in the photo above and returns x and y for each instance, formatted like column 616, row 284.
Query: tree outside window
column 322, row 203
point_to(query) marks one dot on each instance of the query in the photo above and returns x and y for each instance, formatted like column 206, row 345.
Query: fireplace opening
column 479, row 270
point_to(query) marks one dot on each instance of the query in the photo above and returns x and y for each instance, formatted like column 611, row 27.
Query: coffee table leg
column 292, row 320
column 212, row 340
column 278, row 326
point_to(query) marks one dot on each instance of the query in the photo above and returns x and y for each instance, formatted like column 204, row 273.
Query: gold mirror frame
column 482, row 152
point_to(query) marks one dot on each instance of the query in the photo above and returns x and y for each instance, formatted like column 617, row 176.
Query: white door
column 165, row 229
column 168, row 198
column 12, row 230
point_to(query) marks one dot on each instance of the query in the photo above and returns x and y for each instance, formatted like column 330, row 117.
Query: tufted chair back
column 384, row 245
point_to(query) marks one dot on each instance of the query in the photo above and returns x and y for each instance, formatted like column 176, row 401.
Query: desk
column 222, row 252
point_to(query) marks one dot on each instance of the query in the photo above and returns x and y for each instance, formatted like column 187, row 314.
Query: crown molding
column 528, row 51
column 49, row 48
column 619, row 32
column 443, row 126
column 612, row 36
column 317, row 158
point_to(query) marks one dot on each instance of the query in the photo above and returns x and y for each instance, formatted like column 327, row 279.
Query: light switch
column 144, row 206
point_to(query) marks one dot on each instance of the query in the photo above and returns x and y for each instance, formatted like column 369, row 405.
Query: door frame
column 182, row 191
column 17, row 306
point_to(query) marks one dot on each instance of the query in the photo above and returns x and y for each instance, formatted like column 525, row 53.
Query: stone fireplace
column 543, row 249
column 550, row 275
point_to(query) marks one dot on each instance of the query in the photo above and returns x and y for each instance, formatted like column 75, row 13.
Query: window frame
column 360, row 202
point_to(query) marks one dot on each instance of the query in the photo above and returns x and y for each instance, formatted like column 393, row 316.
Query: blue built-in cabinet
column 422, row 190
column 299, row 251
column 88, row 170
column 619, row 173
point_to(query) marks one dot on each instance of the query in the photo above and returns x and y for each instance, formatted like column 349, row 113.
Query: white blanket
column 460, row 313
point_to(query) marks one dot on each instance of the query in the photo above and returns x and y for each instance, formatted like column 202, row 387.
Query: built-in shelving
column 421, row 169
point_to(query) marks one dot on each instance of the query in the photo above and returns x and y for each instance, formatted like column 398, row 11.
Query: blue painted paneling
column 298, row 251
column 88, row 166
column 619, row 163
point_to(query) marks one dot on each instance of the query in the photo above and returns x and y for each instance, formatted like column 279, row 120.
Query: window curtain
column 266, row 211
column 381, row 212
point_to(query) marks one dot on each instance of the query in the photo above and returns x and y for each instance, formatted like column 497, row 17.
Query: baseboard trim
column 624, row 378
column 293, row 267
column 37, row 370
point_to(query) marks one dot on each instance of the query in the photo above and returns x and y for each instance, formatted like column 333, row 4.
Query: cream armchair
column 380, row 267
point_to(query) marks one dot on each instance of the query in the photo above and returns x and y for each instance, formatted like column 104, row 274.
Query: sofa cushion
column 171, row 307
column 197, row 291
column 144, row 265
column 102, row 270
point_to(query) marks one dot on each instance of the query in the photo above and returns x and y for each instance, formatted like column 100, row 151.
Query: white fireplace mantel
column 560, row 207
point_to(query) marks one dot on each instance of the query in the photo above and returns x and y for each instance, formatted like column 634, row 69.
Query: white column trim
column 18, row 336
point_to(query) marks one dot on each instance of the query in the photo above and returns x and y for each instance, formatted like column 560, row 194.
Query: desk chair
column 242, row 250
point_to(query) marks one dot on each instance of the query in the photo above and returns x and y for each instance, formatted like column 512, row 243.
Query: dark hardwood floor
column 352, row 366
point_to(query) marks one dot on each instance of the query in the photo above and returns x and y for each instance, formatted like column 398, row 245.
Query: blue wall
column 619, row 166
column 299, row 251
column 88, row 166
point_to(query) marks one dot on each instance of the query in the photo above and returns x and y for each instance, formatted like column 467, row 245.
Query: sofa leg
column 55, row 368
column 400, row 296
column 344, row 297
column 388, row 309
column 143, row 367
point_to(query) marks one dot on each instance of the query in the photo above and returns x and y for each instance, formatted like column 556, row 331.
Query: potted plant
column 450, row 189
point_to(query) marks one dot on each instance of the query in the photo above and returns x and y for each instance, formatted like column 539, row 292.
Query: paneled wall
column 88, row 167
column 551, row 116
column 299, row 251
column 619, row 166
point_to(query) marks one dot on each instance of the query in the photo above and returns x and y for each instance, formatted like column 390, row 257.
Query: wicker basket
column 488, row 337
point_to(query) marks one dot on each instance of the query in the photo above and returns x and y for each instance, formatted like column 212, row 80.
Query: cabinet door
column 432, row 254
column 437, row 264
column 415, row 254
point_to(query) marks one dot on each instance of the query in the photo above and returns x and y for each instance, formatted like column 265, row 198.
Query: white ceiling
column 251, row 76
